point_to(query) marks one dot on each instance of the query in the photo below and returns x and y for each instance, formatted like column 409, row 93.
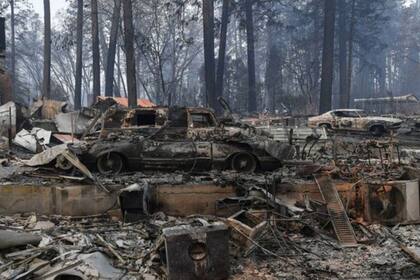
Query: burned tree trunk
column 273, row 73
column 112, row 48
column 316, row 46
column 350, row 54
column 79, row 57
column 13, row 43
column 129, row 52
column 46, row 83
column 343, row 53
column 327, row 57
column 209, row 61
column 252, row 90
column 381, row 73
column 222, row 50
column 96, row 63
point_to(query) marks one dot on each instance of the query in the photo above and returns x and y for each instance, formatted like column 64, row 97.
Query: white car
column 355, row 120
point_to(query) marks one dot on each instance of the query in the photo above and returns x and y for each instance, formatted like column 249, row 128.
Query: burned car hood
column 383, row 119
column 263, row 140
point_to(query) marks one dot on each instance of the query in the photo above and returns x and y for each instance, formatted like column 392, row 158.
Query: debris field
column 178, row 193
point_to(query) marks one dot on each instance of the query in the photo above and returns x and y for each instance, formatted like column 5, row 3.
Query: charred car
column 355, row 120
column 179, row 139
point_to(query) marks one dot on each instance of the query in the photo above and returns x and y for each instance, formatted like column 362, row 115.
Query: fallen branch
column 410, row 252
column 112, row 250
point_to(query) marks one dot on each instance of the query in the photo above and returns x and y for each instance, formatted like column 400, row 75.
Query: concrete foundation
column 69, row 200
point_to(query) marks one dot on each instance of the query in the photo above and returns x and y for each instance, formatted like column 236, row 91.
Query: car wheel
column 110, row 163
column 63, row 163
column 326, row 126
column 244, row 162
column 377, row 130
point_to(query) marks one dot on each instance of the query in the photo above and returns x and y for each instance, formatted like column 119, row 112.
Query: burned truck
column 189, row 139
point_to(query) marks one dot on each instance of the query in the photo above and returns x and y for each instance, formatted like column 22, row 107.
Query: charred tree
column 79, row 57
column 13, row 45
column 350, row 53
column 327, row 57
column 96, row 55
column 273, row 74
column 129, row 52
column 112, row 49
column 46, row 82
column 222, row 51
column 209, row 61
column 316, row 46
column 342, row 24
column 381, row 73
column 252, row 89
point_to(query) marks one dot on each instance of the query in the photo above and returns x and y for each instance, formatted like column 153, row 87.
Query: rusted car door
column 348, row 120
column 186, row 147
column 169, row 149
column 331, row 118
column 203, row 130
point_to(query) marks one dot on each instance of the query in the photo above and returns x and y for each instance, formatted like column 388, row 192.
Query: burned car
column 179, row 139
column 355, row 120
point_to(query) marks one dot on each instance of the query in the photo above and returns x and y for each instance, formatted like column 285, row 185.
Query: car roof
column 347, row 110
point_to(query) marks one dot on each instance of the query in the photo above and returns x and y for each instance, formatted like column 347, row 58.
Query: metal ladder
column 339, row 219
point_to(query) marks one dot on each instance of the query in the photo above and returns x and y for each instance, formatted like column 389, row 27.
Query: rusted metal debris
column 337, row 212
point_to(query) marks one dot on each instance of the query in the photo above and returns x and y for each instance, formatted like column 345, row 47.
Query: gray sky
column 56, row 5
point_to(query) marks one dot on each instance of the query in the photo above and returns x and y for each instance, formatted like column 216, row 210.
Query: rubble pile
column 103, row 248
column 322, row 259
column 95, row 248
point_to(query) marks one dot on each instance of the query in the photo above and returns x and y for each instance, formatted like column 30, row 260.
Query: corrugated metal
column 299, row 133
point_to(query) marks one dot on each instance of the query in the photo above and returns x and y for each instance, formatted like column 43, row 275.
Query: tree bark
column 129, row 52
column 96, row 55
column 381, row 73
column 273, row 74
column 79, row 57
column 13, row 47
column 327, row 57
column 222, row 52
column 46, row 83
column 110, row 60
column 316, row 49
column 350, row 54
column 174, row 82
column 252, row 90
column 103, row 45
column 209, row 61
column 343, row 52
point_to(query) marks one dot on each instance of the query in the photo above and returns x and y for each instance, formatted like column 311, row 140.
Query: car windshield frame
column 362, row 114
column 349, row 114
column 211, row 122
